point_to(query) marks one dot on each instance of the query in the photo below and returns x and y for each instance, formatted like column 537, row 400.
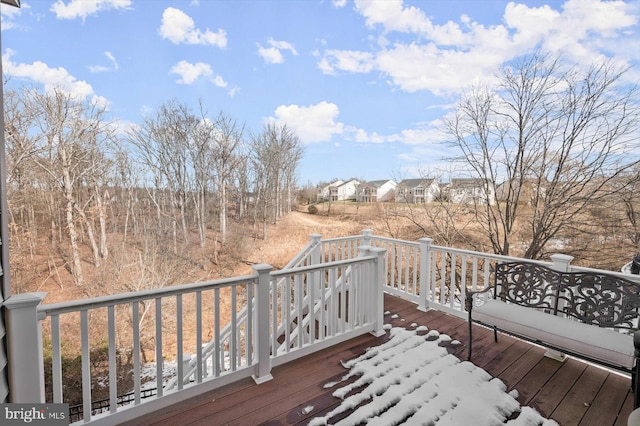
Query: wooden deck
column 571, row 393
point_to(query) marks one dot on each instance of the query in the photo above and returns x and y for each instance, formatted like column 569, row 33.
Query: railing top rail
column 630, row 277
column 395, row 240
column 312, row 268
column 332, row 240
column 300, row 256
column 136, row 296
column 497, row 257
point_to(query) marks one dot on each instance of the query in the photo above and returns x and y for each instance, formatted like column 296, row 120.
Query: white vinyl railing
column 331, row 291
column 287, row 314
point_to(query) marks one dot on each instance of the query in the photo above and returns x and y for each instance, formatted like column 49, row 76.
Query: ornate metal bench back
column 527, row 284
column 600, row 299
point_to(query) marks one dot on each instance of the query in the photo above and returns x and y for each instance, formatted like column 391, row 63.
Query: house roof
column 377, row 183
column 412, row 183
column 467, row 182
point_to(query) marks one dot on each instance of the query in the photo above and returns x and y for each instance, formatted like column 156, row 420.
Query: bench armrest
column 468, row 304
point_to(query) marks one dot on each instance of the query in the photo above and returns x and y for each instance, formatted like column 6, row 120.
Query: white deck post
column 24, row 348
column 262, row 329
column 425, row 273
column 561, row 262
column 315, row 253
column 366, row 237
column 378, row 291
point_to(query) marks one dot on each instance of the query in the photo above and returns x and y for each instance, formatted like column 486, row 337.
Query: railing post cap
column 24, row 300
column 426, row 240
column 559, row 257
column 315, row 237
column 368, row 232
column 262, row 267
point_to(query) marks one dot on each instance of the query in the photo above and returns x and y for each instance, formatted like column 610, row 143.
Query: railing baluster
column 56, row 359
column 290, row 306
column 463, row 279
column 249, row 326
column 159, row 356
column 135, row 314
column 199, row 337
column 321, row 310
column 274, row 318
column 179, row 343
column 299, row 309
column 416, row 258
column 311, row 289
column 113, row 373
column 452, row 287
column 392, row 270
column 474, row 278
column 234, row 326
column 86, row 365
column 487, row 271
column 331, row 320
column 443, row 277
column 217, row 352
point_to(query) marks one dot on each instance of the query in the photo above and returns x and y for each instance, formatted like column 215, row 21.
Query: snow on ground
column 412, row 379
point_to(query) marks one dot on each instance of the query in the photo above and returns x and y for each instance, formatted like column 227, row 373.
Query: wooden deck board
column 575, row 404
column 572, row 392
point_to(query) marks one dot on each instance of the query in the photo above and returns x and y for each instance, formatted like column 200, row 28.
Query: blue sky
column 364, row 84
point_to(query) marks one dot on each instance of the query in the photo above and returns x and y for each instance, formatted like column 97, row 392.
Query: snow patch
column 412, row 379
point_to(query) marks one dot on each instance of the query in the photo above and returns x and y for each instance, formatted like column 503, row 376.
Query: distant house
column 376, row 191
column 348, row 190
column 329, row 192
column 417, row 191
column 471, row 191
column 339, row 190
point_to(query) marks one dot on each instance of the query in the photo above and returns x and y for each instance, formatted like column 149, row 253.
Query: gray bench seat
column 597, row 343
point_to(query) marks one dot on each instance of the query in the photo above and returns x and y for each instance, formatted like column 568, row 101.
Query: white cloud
column 273, row 54
column 583, row 30
column 339, row 3
column 362, row 136
column 347, row 60
column 314, row 123
column 393, row 16
column 446, row 58
column 189, row 73
column 83, row 8
column 178, row 27
column 101, row 68
column 51, row 78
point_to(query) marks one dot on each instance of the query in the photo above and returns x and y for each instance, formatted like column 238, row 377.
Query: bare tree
column 275, row 156
column 69, row 133
column 227, row 144
column 553, row 137
column 162, row 144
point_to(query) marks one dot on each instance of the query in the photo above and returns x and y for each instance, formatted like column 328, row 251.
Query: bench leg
column 495, row 334
column 635, row 385
column 470, row 337
column 635, row 377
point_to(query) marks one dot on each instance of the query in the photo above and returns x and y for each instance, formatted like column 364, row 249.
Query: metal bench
column 592, row 316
